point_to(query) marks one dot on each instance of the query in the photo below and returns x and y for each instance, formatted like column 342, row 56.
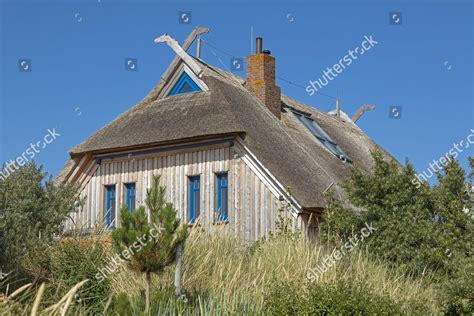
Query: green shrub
column 458, row 291
column 284, row 299
column 32, row 210
column 341, row 298
column 73, row 261
column 348, row 299
column 418, row 228
column 121, row 305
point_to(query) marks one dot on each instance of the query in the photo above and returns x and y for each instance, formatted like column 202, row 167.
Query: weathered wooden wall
column 253, row 208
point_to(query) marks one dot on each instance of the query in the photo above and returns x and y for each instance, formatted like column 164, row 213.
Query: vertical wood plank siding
column 253, row 208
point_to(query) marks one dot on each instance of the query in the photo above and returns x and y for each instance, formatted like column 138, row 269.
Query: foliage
column 10, row 307
column 121, row 305
column 19, row 302
column 283, row 223
column 32, row 210
column 283, row 227
column 470, row 189
column 73, row 261
column 419, row 228
column 166, row 304
column 66, row 262
column 152, row 242
column 160, row 236
column 220, row 269
column 220, row 278
column 339, row 298
column 458, row 290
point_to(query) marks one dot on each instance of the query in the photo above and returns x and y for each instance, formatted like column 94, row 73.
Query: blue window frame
column 321, row 135
column 184, row 85
column 110, row 206
column 194, row 199
column 222, row 197
column 130, row 196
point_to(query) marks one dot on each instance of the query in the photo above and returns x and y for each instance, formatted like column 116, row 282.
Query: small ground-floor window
column 110, row 206
column 130, row 196
column 194, row 199
column 222, row 197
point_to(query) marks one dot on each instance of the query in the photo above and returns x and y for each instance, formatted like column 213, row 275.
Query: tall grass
column 220, row 267
column 222, row 275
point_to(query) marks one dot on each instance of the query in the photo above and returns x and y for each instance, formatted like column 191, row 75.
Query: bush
column 284, row 299
column 32, row 210
column 121, row 305
column 458, row 291
column 340, row 298
column 72, row 261
column 418, row 228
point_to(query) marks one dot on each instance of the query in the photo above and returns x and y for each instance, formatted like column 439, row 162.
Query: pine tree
column 152, row 239
column 417, row 227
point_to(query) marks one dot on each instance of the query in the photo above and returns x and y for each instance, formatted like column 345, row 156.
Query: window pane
column 321, row 135
column 130, row 196
column 110, row 206
column 112, row 213
column 184, row 85
column 197, row 205
column 225, row 209
column 222, row 197
column 186, row 88
column 194, row 199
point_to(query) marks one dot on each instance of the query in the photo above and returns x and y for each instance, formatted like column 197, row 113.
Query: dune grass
column 222, row 275
column 220, row 267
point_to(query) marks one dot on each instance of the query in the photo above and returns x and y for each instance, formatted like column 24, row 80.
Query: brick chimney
column 261, row 79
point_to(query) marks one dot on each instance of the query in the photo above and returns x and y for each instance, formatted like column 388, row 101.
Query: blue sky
column 78, row 81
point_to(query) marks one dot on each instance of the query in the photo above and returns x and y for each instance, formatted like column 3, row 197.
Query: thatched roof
column 285, row 147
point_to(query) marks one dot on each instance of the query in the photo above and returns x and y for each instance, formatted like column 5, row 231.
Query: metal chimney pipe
column 258, row 46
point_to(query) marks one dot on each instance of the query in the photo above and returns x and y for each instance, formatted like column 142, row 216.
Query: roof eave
column 74, row 154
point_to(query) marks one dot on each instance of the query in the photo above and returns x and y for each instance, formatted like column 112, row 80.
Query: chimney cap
column 258, row 45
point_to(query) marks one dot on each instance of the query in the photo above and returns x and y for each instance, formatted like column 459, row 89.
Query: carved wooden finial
column 181, row 50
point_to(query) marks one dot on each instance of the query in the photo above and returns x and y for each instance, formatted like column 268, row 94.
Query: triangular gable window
column 184, row 85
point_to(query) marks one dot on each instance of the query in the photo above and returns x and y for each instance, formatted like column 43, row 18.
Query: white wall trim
column 267, row 178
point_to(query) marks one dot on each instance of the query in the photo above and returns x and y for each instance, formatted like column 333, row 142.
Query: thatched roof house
column 237, row 139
